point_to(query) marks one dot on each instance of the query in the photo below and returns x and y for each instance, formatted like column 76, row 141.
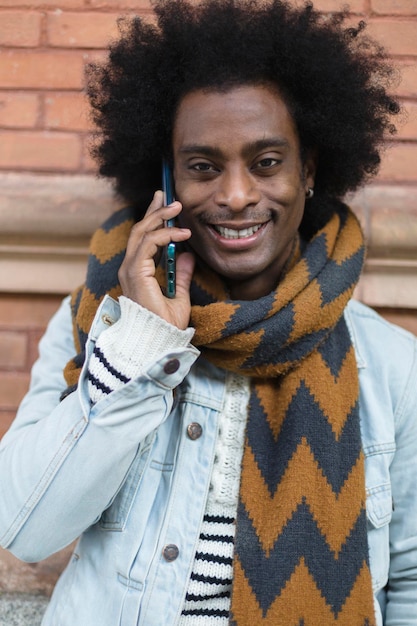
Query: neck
column 251, row 289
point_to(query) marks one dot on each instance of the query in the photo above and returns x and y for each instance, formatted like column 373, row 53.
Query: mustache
column 219, row 216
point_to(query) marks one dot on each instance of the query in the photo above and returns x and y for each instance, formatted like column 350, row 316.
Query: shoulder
column 386, row 356
column 375, row 337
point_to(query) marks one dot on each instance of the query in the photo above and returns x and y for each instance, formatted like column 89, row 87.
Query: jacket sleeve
column 61, row 463
column 401, row 605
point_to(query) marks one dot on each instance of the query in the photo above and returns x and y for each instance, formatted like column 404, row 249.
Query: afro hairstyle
column 334, row 79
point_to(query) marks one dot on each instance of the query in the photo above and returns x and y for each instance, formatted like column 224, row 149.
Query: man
column 242, row 453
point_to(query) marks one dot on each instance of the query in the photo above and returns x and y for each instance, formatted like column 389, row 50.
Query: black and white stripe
column 103, row 378
column 207, row 602
column 209, row 589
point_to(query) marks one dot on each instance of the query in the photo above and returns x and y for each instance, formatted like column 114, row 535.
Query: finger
column 156, row 203
column 150, row 233
column 185, row 270
column 152, row 242
column 155, row 219
column 140, row 263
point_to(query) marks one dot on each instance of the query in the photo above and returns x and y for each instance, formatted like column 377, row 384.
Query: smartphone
column 170, row 266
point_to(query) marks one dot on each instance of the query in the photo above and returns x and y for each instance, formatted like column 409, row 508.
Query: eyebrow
column 253, row 146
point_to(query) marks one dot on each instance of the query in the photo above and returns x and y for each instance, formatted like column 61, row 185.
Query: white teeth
column 230, row 233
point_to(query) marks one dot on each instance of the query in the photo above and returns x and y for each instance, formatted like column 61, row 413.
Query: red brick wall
column 43, row 116
column 45, row 45
column 22, row 321
column 44, row 123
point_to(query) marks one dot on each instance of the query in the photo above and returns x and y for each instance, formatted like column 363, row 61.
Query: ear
column 309, row 168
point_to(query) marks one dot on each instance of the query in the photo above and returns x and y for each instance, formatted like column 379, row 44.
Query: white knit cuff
column 121, row 353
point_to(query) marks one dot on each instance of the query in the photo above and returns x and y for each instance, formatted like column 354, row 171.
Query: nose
column 237, row 189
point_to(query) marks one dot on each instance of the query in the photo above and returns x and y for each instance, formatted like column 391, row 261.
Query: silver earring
column 309, row 193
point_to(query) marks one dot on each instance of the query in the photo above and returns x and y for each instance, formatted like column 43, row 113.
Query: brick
column 67, row 111
column 88, row 163
column 63, row 4
column 13, row 386
column 81, row 30
column 33, row 352
column 27, row 312
column 399, row 163
column 54, row 207
column 394, row 7
column 39, row 150
column 13, row 349
column 42, row 70
column 407, row 128
column 406, row 318
column 20, row 28
column 137, row 5
column 37, row 578
column 330, row 6
column 18, row 110
column 393, row 229
column 399, row 37
column 388, row 284
column 408, row 82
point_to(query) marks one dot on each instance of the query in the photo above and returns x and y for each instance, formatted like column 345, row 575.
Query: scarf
column 301, row 552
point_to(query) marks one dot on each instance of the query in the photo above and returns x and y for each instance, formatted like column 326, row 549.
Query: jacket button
column 109, row 321
column 170, row 552
column 194, row 430
column 171, row 366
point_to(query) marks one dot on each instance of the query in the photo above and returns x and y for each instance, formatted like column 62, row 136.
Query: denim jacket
column 124, row 476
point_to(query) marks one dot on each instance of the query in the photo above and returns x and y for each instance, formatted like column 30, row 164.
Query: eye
column 202, row 167
column 266, row 163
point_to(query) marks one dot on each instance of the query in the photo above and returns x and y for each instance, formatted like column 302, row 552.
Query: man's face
column 240, row 179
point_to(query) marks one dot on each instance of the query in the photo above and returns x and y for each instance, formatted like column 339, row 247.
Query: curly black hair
column 333, row 77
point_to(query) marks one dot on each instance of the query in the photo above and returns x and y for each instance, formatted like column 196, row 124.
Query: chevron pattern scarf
column 301, row 553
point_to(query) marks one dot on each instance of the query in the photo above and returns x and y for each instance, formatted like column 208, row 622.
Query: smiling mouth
column 231, row 233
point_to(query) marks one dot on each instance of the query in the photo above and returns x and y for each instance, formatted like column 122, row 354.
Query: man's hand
column 144, row 248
